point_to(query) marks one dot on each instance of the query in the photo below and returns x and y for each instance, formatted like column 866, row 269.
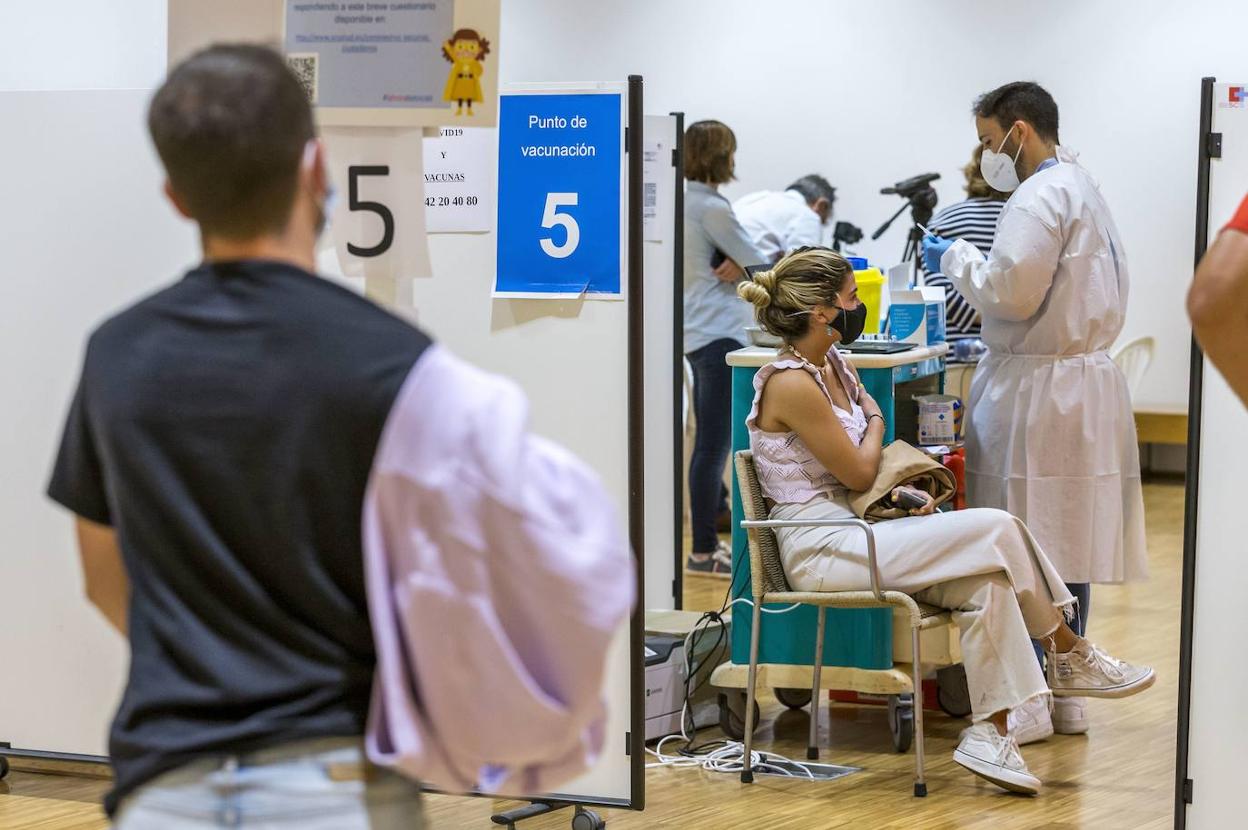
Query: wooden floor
column 1120, row 775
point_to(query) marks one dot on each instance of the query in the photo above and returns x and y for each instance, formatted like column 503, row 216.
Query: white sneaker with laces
column 1070, row 715
column 1087, row 671
column 1031, row 722
column 717, row 563
column 995, row 757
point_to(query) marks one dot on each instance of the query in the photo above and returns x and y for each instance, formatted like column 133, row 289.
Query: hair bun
column 758, row 290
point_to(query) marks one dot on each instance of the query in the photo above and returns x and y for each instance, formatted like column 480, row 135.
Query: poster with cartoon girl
column 465, row 51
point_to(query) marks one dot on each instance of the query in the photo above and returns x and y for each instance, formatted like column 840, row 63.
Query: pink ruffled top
column 788, row 471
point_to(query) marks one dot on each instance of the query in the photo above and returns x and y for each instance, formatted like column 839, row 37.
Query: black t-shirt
column 225, row 427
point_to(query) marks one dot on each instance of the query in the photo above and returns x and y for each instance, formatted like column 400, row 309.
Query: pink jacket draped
column 497, row 575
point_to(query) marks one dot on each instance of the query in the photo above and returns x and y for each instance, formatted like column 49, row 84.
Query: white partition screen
column 1213, row 724
column 85, row 231
column 661, row 225
column 572, row 357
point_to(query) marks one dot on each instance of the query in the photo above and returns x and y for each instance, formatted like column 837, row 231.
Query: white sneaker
column 995, row 757
column 717, row 564
column 1031, row 721
column 1070, row 715
column 1087, row 671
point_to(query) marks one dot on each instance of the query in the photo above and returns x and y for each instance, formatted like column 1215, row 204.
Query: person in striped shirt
column 974, row 220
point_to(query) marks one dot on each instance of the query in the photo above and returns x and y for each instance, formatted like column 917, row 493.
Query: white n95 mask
column 998, row 169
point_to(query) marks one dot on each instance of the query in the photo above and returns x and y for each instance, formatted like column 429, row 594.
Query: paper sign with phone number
column 459, row 179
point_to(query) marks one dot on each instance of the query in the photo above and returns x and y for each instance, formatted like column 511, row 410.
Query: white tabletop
column 756, row 356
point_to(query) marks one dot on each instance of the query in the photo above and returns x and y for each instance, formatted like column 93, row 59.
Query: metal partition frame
column 1183, row 784
column 678, row 358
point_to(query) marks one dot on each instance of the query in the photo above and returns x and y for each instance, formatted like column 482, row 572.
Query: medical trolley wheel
column 793, row 698
column 732, row 714
column 901, row 721
column 587, row 820
column 952, row 695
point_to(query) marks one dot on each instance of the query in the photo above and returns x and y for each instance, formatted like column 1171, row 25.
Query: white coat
column 1050, row 431
column 778, row 222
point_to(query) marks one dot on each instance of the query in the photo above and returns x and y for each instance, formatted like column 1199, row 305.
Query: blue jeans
column 712, row 407
column 309, row 785
column 1079, row 625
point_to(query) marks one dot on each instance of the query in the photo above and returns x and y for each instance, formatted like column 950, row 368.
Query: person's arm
column 859, row 393
column 937, row 227
column 853, row 370
column 78, row 484
column 1218, row 305
column 104, row 573
column 800, row 405
column 728, row 236
column 1012, row 282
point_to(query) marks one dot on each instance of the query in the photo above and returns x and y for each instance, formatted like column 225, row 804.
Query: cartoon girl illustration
column 465, row 51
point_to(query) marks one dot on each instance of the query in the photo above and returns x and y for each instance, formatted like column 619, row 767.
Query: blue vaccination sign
column 560, row 174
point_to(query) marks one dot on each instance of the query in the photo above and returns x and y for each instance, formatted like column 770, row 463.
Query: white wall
column 872, row 92
column 82, row 44
column 84, row 231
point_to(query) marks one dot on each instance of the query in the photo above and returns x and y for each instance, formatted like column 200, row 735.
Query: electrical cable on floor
column 725, row 756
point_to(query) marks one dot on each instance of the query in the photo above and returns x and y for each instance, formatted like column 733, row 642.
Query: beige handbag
column 902, row 464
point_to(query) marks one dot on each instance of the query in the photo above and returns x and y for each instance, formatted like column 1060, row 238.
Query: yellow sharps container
column 870, row 291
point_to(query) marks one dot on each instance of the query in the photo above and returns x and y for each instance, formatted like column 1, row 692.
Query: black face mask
column 850, row 323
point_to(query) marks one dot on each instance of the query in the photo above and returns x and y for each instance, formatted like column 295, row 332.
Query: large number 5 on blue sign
column 553, row 217
column 559, row 194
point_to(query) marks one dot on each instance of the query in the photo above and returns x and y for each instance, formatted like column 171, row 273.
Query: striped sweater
column 974, row 220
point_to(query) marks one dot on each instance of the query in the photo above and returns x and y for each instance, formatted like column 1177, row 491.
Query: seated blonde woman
column 816, row 434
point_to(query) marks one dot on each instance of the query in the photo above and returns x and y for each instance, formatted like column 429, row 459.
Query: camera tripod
column 921, row 200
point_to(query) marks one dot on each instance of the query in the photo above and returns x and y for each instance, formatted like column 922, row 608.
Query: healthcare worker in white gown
column 1050, row 432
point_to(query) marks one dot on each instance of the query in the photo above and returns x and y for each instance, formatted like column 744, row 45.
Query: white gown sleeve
column 1012, row 282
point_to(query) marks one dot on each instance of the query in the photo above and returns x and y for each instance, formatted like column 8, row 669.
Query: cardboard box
column 940, row 420
column 918, row 316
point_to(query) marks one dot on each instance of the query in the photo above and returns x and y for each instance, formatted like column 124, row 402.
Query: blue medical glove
column 934, row 248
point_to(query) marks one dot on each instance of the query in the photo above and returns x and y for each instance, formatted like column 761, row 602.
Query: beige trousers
column 983, row 565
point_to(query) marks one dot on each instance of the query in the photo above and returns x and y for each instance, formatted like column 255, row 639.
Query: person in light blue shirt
column 717, row 252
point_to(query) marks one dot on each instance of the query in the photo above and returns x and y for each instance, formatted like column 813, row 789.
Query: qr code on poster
column 306, row 69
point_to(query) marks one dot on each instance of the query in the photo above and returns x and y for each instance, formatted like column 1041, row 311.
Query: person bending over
column 816, row 434
column 793, row 218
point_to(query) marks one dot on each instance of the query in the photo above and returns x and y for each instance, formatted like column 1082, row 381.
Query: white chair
column 1133, row 359
column 770, row 585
